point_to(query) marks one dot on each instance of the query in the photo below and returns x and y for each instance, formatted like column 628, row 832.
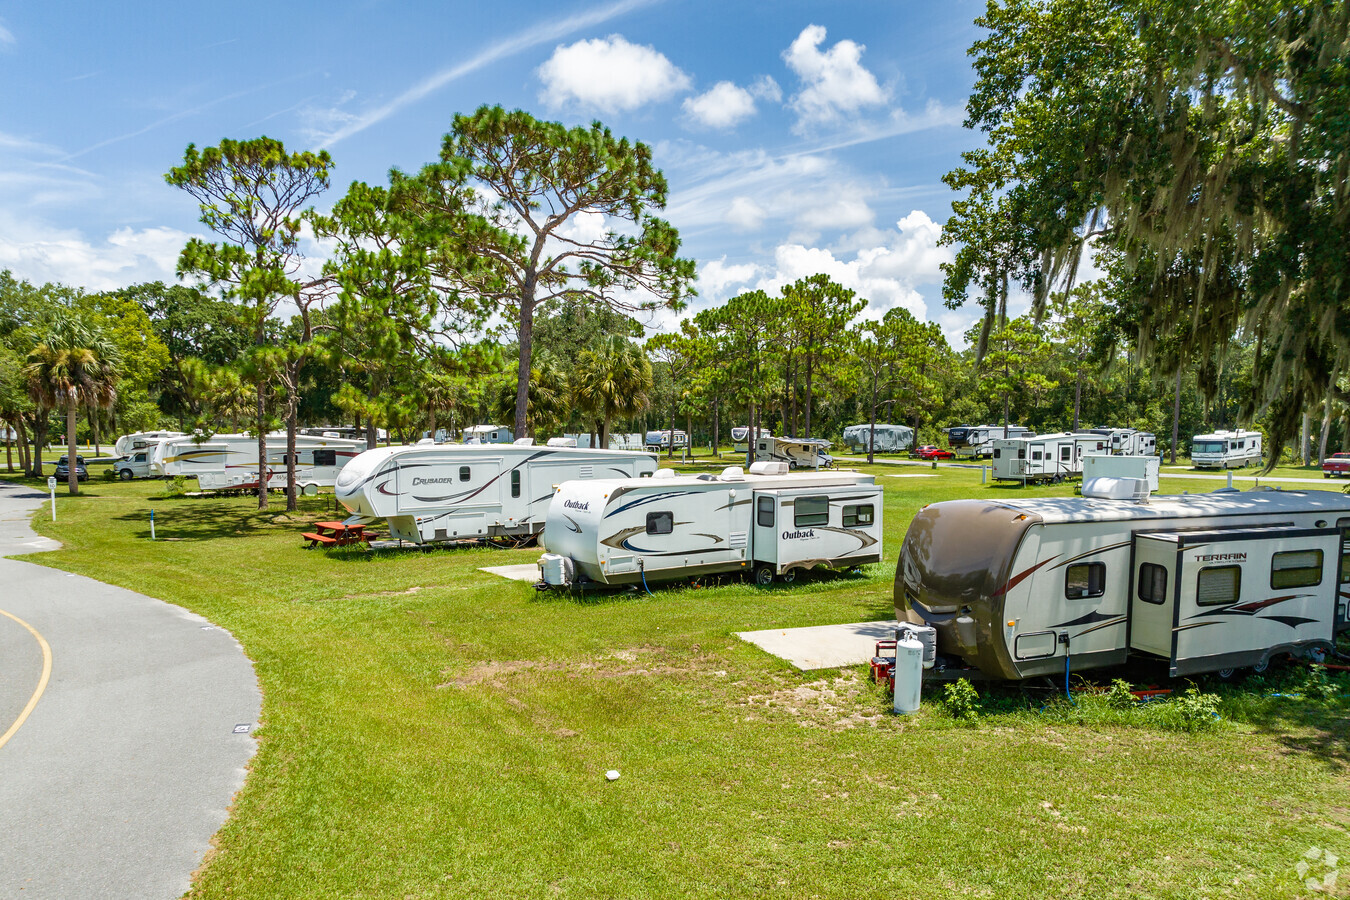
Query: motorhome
column 142, row 440
column 1226, row 450
column 797, row 453
column 488, row 434
column 139, row 463
column 977, row 441
column 1208, row 582
column 1127, row 441
column 676, row 526
column 658, row 441
column 455, row 492
column 888, row 438
column 1042, row 457
column 740, row 437
column 230, row 461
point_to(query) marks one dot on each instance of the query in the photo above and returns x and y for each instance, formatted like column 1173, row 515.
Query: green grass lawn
column 430, row 730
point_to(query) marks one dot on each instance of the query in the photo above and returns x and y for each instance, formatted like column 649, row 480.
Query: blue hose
column 642, row 570
column 1068, row 693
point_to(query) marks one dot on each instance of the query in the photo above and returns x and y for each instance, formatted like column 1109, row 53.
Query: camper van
column 740, row 437
column 1209, row 582
column 797, row 453
column 659, row 441
column 1042, row 457
column 1226, row 450
column 977, row 441
column 889, row 438
column 454, row 492
column 676, row 526
column 142, row 440
column 230, row 461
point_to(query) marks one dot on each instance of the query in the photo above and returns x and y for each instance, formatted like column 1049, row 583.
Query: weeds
column 961, row 700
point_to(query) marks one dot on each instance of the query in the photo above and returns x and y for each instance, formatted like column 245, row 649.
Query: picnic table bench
column 335, row 534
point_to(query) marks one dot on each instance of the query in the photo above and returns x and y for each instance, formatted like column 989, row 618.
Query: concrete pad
column 523, row 572
column 823, row 646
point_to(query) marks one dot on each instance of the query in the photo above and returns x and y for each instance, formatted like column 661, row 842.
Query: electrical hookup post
column 51, row 488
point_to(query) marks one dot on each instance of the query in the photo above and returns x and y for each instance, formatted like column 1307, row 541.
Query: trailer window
column 1152, row 583
column 1296, row 568
column 463, row 473
column 811, row 511
column 325, row 457
column 764, row 512
column 515, row 482
column 1065, row 452
column 1085, row 580
column 660, row 522
column 1021, row 452
column 858, row 515
column 1035, row 454
column 998, row 454
column 1218, row 585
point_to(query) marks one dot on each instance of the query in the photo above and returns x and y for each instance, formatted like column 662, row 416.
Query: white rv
column 798, row 453
column 740, row 437
column 616, row 441
column 1042, row 457
column 1209, row 582
column 230, row 461
column 454, row 492
column 139, row 463
column 658, row 441
column 1127, row 441
column 977, row 441
column 488, row 434
column 889, row 438
column 1226, row 450
column 142, row 440
column 672, row 527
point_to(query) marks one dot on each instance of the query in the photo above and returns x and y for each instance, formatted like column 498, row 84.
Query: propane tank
column 908, row 673
column 965, row 634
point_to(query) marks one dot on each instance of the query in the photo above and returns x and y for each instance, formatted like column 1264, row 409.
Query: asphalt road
column 123, row 769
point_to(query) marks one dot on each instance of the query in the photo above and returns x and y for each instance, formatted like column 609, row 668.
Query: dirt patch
column 627, row 663
column 837, row 703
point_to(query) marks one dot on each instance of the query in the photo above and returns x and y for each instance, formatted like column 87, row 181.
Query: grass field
column 434, row 731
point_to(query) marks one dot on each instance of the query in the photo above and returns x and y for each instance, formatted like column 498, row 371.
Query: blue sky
column 797, row 137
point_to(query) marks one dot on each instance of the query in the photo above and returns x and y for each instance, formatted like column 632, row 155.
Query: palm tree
column 72, row 365
column 613, row 378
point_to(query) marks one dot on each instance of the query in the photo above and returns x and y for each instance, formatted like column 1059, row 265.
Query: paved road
column 124, row 768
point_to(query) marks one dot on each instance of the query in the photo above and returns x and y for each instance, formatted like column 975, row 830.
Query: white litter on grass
column 612, row 775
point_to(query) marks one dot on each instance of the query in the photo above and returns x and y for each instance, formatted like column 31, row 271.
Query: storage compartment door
column 1153, row 596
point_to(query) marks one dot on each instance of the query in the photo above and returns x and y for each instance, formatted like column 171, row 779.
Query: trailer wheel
column 788, row 577
column 1226, row 674
column 1261, row 667
column 764, row 575
column 125, row 474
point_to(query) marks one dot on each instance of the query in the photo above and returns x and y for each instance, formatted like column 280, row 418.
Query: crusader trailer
column 230, row 461
column 1208, row 582
column 1226, row 450
column 889, row 438
column 671, row 527
column 454, row 492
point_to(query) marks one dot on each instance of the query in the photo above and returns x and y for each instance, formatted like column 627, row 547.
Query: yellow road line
column 42, row 682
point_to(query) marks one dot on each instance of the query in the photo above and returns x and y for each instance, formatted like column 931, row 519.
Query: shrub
column 1192, row 711
column 1119, row 696
column 175, row 486
column 961, row 700
column 1316, row 685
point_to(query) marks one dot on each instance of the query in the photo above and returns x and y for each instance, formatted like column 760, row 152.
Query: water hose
column 642, row 570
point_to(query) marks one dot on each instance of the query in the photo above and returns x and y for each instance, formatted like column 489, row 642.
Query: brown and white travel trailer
column 1209, row 582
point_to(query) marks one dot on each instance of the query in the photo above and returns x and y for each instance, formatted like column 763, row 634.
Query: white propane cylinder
column 908, row 673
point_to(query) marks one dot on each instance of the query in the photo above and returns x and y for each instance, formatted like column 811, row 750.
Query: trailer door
column 764, row 530
column 1153, row 593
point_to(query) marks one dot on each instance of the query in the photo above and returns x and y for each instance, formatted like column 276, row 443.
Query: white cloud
column 745, row 214
column 843, row 207
column 765, row 88
column 584, row 227
column 609, row 74
column 6, row 36
column 834, row 81
column 716, row 276
column 724, row 105
column 127, row 256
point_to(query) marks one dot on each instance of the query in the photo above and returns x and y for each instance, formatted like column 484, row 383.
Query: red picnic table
column 335, row 534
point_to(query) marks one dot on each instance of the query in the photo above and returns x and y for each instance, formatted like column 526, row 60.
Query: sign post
column 51, row 486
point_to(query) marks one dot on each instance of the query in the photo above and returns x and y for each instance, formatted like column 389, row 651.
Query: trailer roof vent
column 523, row 442
column 1110, row 488
column 733, row 473
column 768, row 468
column 664, row 473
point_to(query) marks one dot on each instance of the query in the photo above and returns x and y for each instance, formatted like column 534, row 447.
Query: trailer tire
column 1261, row 667
column 763, row 575
column 125, row 474
column 1227, row 674
column 788, row 577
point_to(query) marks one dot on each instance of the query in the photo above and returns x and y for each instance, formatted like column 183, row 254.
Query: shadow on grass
column 599, row 594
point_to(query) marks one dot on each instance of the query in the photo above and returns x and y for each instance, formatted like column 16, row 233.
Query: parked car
column 927, row 452
column 63, row 469
column 1336, row 465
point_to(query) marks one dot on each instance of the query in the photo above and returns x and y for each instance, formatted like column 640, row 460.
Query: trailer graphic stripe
column 1093, row 552
column 1252, row 608
column 654, row 498
column 1118, row 620
column 1022, row 576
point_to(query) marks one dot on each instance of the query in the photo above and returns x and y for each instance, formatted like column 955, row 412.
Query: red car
column 932, row 453
column 1336, row 465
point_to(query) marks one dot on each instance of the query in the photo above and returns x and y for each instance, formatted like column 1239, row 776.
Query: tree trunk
column 806, row 425
column 716, row 428
column 752, row 436
column 670, row 447
column 9, row 449
column 262, row 447
column 1006, row 404
column 1326, row 430
column 1303, row 445
column 604, row 432
column 39, row 439
column 1176, row 418
column 25, row 457
column 872, row 420
column 292, row 426
column 72, row 473
column 688, row 433
column 1077, row 398
column 526, row 346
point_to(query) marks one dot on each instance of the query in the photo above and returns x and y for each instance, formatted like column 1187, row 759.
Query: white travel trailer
column 616, row 441
column 1226, row 450
column 740, row 437
column 656, row 441
column 455, row 492
column 488, row 434
column 230, row 461
column 672, row 527
column 142, row 440
column 1209, row 582
column 1042, row 457
column 1127, row 441
column 798, row 453
column 889, row 438
column 977, row 441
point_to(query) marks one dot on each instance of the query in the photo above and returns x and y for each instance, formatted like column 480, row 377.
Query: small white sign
column 51, row 482
column 241, row 729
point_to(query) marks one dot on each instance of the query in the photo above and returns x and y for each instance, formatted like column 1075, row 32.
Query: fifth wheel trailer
column 142, row 440
column 230, row 461
column 672, row 527
column 1042, row 457
column 454, row 492
column 1208, row 582
column 889, row 438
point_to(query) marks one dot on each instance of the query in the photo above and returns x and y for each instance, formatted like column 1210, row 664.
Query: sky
column 796, row 137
